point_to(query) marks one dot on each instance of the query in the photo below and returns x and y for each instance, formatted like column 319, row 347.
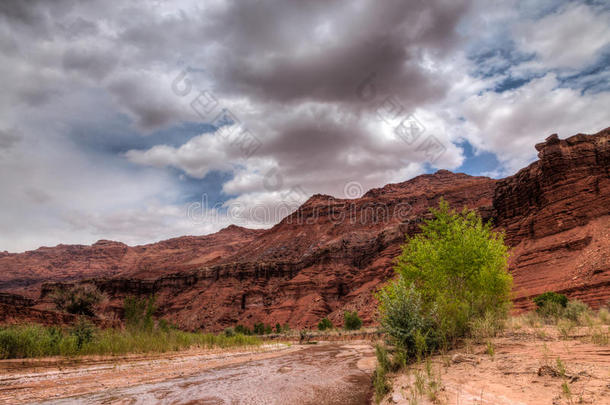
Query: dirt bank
column 528, row 366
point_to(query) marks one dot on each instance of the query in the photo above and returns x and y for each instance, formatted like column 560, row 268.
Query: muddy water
column 331, row 373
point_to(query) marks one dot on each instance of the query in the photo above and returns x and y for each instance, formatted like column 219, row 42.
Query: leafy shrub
column 79, row 300
column 229, row 332
column 550, row 296
column 455, row 271
column 278, row 328
column 324, row 324
column 352, row 321
column 404, row 318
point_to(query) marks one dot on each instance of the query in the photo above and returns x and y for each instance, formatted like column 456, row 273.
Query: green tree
column 324, row 324
column 352, row 321
column 454, row 271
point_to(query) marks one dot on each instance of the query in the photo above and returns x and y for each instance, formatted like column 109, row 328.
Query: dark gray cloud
column 9, row 138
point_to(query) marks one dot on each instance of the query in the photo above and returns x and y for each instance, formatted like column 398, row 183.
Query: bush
column 278, row 328
column 79, row 300
column 243, row 330
column 452, row 273
column 324, row 324
column 352, row 321
column 551, row 297
column 404, row 318
column 575, row 310
column 138, row 313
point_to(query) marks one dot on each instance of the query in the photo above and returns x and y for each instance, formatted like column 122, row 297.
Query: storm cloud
column 103, row 133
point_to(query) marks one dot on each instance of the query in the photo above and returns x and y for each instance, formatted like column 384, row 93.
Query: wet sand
column 326, row 373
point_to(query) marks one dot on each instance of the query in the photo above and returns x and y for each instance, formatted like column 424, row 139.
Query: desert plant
column 83, row 332
column 23, row 341
column 380, row 383
column 242, row 330
column 138, row 313
column 490, row 348
column 324, row 324
column 565, row 327
column 458, row 265
column 549, row 297
column 600, row 337
column 604, row 315
column 486, row 326
column 278, row 328
column 352, row 321
column 404, row 318
column 79, row 299
column 258, row 328
column 575, row 310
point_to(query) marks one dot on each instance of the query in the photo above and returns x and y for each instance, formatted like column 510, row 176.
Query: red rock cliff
column 556, row 214
column 332, row 254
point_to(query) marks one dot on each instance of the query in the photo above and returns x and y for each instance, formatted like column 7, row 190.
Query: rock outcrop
column 332, row 254
column 25, row 272
column 556, row 214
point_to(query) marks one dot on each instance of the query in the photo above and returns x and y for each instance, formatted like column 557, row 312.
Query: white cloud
column 570, row 38
column 509, row 124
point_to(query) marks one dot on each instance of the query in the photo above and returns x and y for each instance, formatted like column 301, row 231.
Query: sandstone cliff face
column 25, row 272
column 556, row 214
column 332, row 254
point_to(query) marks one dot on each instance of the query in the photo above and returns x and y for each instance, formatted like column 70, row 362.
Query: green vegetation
column 352, row 321
column 551, row 297
column 324, row 324
column 79, row 300
column 243, row 330
column 380, row 382
column 138, row 313
column 22, row 341
column 141, row 335
column 555, row 308
column 450, row 275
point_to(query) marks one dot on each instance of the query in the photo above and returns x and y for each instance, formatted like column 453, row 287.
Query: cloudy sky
column 142, row 120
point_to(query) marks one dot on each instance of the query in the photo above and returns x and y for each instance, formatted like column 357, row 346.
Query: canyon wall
column 332, row 254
